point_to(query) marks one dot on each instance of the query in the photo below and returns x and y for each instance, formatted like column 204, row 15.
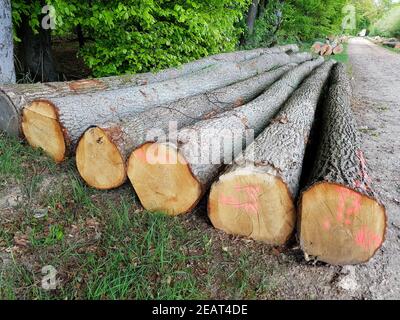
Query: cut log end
column 9, row 117
column 41, row 128
column 339, row 225
column 252, row 204
column 160, row 176
column 98, row 160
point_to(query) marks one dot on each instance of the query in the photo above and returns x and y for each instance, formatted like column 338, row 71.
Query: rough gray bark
column 7, row 71
column 339, row 158
column 279, row 150
column 13, row 98
column 79, row 112
column 209, row 144
column 131, row 133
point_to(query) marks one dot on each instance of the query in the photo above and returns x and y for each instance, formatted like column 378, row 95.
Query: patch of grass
column 104, row 246
column 16, row 159
column 342, row 57
column 369, row 131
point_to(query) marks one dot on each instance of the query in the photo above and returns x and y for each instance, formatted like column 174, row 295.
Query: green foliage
column 296, row 21
column 134, row 36
column 389, row 24
column 22, row 8
column 137, row 36
column 310, row 19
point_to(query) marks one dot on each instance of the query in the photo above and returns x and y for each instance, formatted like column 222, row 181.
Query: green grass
column 104, row 246
column 342, row 57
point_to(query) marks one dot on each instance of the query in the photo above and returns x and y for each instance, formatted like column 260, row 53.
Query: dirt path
column 376, row 105
column 377, row 109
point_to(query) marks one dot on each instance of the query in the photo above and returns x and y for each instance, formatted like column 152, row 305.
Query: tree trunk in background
column 252, row 15
column 79, row 33
column 36, row 52
column 7, row 71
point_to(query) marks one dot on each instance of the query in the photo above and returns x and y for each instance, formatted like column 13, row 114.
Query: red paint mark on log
column 344, row 195
column 365, row 179
column 252, row 192
column 85, row 84
column 326, row 225
column 140, row 155
column 366, row 239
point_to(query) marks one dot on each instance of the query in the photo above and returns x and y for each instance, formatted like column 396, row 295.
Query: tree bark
column 70, row 116
column 201, row 149
column 338, row 49
column 36, row 51
column 105, row 169
column 255, row 196
column 7, row 70
column 341, row 219
column 79, row 34
column 13, row 98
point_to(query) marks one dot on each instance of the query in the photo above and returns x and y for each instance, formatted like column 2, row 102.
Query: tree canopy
column 129, row 36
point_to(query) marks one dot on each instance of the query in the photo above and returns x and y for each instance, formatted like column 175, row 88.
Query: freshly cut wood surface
column 255, row 196
column 46, row 128
column 14, row 97
column 342, row 220
column 93, row 151
column 328, row 51
column 208, row 144
column 338, row 49
column 76, row 113
column 316, row 47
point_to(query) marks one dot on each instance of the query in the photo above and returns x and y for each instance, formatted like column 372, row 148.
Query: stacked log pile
column 389, row 42
column 234, row 124
column 67, row 118
column 332, row 46
column 255, row 196
column 200, row 149
column 119, row 139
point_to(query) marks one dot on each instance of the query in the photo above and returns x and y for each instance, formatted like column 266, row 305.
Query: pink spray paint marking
column 326, row 224
column 366, row 239
column 140, row 155
column 363, row 173
column 342, row 214
column 252, row 192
